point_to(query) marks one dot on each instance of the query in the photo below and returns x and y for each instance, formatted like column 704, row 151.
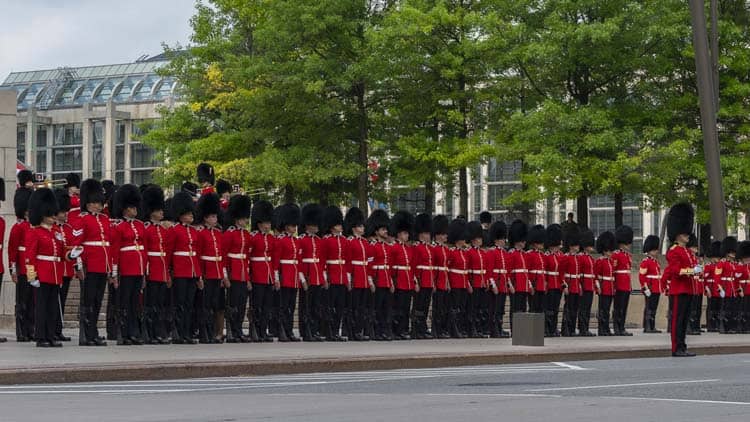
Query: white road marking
column 488, row 395
column 591, row 387
column 741, row 403
column 569, row 366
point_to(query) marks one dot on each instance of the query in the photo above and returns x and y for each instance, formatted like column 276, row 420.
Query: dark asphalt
column 715, row 388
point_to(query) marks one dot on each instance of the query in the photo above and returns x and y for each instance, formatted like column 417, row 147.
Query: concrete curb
column 157, row 370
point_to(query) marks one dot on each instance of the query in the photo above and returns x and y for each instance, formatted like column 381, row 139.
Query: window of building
column 508, row 171
column 140, row 177
column 477, row 197
column 165, row 89
column 41, row 136
column 66, row 160
column 143, row 92
column 105, row 91
column 412, row 201
column 119, row 178
column 97, row 140
column 602, row 220
column 21, row 143
column 68, row 134
column 41, row 161
column 142, row 156
column 41, row 149
column 87, row 91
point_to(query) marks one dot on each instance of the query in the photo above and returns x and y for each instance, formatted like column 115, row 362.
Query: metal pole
column 708, row 120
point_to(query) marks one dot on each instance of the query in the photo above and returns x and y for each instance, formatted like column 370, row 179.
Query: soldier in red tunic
column 402, row 271
column 358, row 253
column 66, row 232
column 588, row 282
column 725, row 276
column 440, row 297
column 649, row 276
column 680, row 271
column 224, row 190
column 206, row 178
column 458, row 272
column 424, row 267
column 2, row 230
column 623, row 262
column 552, row 265
column 743, row 257
column 186, row 269
column 73, row 189
column 211, row 253
column 16, row 262
column 237, row 241
column 604, row 269
column 713, row 307
column 312, row 301
column 25, row 179
column 159, row 246
column 570, row 274
column 263, row 272
column 113, row 306
column 287, row 258
column 536, row 239
column 129, row 261
column 335, row 255
column 480, row 274
column 499, row 261
column 380, row 271
column 518, row 269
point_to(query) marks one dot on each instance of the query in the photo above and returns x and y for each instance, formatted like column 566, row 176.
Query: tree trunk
column 363, row 144
column 429, row 197
column 582, row 203
column 288, row 194
column 618, row 210
column 463, row 192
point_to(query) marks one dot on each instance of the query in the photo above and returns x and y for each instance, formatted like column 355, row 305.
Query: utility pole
column 706, row 96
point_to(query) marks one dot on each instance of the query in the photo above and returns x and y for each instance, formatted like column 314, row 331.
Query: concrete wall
column 8, row 172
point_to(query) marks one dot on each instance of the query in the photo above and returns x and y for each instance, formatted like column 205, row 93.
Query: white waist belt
column 379, row 267
column 588, row 276
column 260, row 258
column 553, row 273
column 335, row 262
column 358, row 263
column 131, row 248
column 622, row 271
column 288, row 261
column 401, row 267
column 462, row 272
column 440, row 268
column 536, row 271
column 310, row 260
column 22, row 248
column 519, row 270
column 237, row 255
column 608, row 278
column 211, row 258
column 653, row 276
column 479, row 271
column 48, row 258
column 184, row 253
column 425, row 267
column 96, row 243
column 156, row 254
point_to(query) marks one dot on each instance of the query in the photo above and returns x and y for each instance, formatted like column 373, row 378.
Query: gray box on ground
column 528, row 329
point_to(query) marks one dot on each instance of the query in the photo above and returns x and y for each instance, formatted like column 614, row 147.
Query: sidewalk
column 23, row 363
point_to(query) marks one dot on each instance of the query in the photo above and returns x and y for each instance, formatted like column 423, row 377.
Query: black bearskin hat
column 182, row 203
column 606, row 242
column 332, row 217
column 572, row 237
column 125, row 196
column 517, row 232
column 91, row 193
column 190, row 188
column 152, row 199
column 239, row 208
column 440, row 224
column 377, row 220
column 729, row 244
column 312, row 215
column 554, row 235
column 485, row 217
column 2, row 189
column 498, row 230
column 109, row 189
column 63, row 200
column 21, row 201
column 474, row 231
column 262, row 212
column 587, row 238
column 286, row 215
column 207, row 205
column 222, row 187
column 168, row 210
column 679, row 220
column 692, row 241
column 72, row 180
column 457, row 230
column 354, row 217
column 402, row 221
column 42, row 204
column 650, row 243
column 25, row 176
column 205, row 173
column 423, row 223
column 743, row 249
column 537, row 234
column 624, row 235
column 715, row 251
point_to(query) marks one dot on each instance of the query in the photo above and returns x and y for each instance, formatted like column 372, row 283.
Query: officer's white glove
column 115, row 273
column 34, row 282
column 75, row 252
column 722, row 293
column 698, row 269
column 349, row 277
column 647, row 291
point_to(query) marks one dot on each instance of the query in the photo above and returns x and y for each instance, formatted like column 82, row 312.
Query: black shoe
column 586, row 334
column 100, row 342
column 124, row 342
column 43, row 344
column 682, row 354
column 3, row 339
column 189, row 341
column 178, row 340
column 233, row 340
column 152, row 341
column 61, row 337
column 294, row 339
column 23, row 339
column 55, row 343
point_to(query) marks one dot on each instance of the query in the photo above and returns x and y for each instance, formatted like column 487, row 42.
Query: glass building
column 87, row 120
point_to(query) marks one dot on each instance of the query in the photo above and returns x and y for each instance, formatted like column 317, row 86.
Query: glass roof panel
column 144, row 91
column 88, row 90
column 127, row 88
column 33, row 91
column 66, row 97
column 106, row 91
column 165, row 89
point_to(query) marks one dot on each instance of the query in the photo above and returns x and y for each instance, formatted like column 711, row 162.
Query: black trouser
column 156, row 309
column 63, row 298
column 210, row 306
column 311, row 311
column 604, row 308
column 518, row 304
column 473, row 311
column 537, row 302
column 458, row 313
column 93, row 294
column 713, row 310
column 236, row 308
column 402, row 311
column 262, row 306
column 495, row 311
column 184, row 299
column 421, row 309
column 383, row 305
column 440, row 310
column 620, row 311
column 649, row 312
column 570, row 314
column 112, row 323
column 47, row 311
column 360, row 310
column 128, row 297
column 680, row 318
column 696, row 309
column 552, row 310
column 24, row 308
column 196, row 317
column 337, row 308
column 287, row 303
column 584, row 311
column 730, row 308
column 745, row 313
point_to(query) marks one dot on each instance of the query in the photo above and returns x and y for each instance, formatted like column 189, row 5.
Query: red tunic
column 424, row 266
column 66, row 231
column 335, row 255
column 500, row 260
column 623, row 263
column 312, row 266
column 649, row 274
column 211, row 253
column 586, row 267
column 519, row 272
column 458, row 268
column 604, row 269
column 570, row 272
column 440, row 264
column 480, row 268
column 128, row 247
column 724, row 276
column 380, row 265
column 2, row 240
column 552, row 270
column 159, row 247
column 236, row 244
column 185, row 260
column 93, row 232
column 708, row 279
column 262, row 270
column 17, row 246
column 74, row 213
column 287, row 258
column 402, row 266
column 679, row 270
column 535, row 265
column 359, row 254
column 45, row 251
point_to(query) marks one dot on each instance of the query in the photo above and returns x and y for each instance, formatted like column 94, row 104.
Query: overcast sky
column 46, row 34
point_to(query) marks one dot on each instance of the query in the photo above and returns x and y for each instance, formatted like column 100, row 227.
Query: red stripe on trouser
column 673, row 331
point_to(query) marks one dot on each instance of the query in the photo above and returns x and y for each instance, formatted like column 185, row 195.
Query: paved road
column 715, row 388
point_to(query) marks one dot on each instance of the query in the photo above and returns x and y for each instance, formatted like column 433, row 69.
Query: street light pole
column 706, row 98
